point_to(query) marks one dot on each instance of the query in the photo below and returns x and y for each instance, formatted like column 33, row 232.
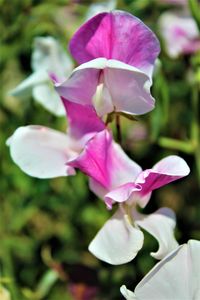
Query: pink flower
column 117, row 179
column 180, row 33
column 43, row 152
column 117, row 54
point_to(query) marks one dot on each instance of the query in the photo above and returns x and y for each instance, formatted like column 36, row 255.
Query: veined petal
column 117, row 242
column 82, row 120
column 160, row 225
column 116, row 35
column 165, row 171
column 41, row 152
column 177, row 276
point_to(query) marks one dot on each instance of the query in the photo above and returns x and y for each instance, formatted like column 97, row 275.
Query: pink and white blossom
column 116, row 53
column 48, row 57
column 180, row 33
column 43, row 152
column 177, row 276
column 115, row 178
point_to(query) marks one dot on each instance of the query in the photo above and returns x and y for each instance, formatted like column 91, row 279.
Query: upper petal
column 165, row 171
column 160, row 225
column 117, row 242
column 116, row 35
column 177, row 276
column 41, row 152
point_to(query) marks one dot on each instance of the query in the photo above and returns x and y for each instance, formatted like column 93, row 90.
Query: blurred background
column 46, row 225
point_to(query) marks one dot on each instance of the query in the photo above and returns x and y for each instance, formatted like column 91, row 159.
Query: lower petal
column 41, row 152
column 160, row 225
column 117, row 242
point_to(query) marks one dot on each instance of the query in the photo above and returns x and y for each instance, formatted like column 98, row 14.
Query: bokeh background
column 46, row 225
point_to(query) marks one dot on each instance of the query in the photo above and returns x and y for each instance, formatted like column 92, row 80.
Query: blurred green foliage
column 46, row 225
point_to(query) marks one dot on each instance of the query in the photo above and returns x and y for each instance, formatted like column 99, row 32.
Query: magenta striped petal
column 116, row 35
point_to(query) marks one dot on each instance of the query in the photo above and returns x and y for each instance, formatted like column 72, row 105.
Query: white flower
column 48, row 58
column 176, row 277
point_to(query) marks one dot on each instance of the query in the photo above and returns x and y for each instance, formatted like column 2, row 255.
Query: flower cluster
column 116, row 54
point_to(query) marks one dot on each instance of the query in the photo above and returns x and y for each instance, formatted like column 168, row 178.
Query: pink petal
column 93, row 160
column 165, row 171
column 116, row 35
column 82, row 120
column 41, row 152
column 105, row 162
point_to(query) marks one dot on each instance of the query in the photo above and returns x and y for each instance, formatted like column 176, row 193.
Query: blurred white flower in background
column 48, row 58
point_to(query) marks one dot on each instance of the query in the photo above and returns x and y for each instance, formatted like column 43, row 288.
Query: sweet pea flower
column 48, row 57
column 176, row 277
column 117, row 179
column 117, row 54
column 43, row 152
column 180, row 33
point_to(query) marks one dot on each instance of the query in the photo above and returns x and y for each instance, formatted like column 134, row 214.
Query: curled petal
column 177, row 276
column 117, row 242
column 165, row 171
column 127, row 293
column 121, row 194
column 116, row 35
column 41, row 152
column 160, row 225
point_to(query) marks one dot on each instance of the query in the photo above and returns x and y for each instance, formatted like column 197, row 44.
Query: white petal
column 117, row 242
column 176, row 277
column 41, row 152
column 160, row 225
column 129, row 88
column 127, row 293
column 25, row 87
column 46, row 95
column 48, row 55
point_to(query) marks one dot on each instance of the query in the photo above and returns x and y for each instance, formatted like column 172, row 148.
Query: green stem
column 184, row 146
column 195, row 128
column 118, row 127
